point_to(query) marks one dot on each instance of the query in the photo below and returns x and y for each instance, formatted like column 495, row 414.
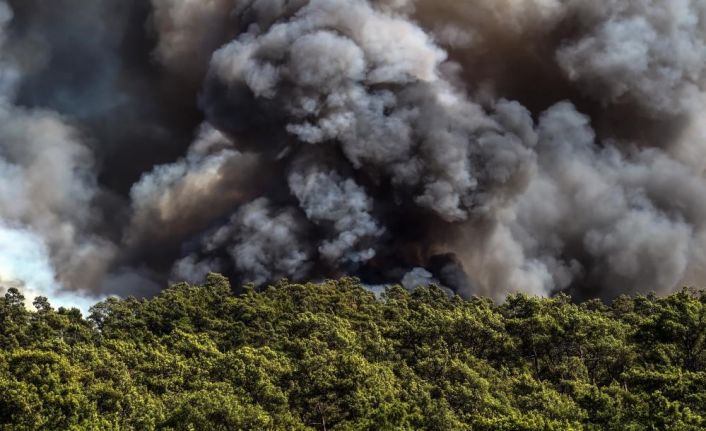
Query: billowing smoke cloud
column 344, row 207
column 262, row 245
column 650, row 54
column 46, row 194
column 490, row 146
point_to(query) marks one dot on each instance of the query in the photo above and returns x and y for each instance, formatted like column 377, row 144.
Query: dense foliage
column 333, row 356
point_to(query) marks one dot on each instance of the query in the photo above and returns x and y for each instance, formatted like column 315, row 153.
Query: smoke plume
column 489, row 146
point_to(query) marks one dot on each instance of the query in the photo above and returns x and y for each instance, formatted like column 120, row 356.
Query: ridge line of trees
column 333, row 356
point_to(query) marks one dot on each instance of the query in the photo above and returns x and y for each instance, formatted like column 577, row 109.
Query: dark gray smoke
column 491, row 146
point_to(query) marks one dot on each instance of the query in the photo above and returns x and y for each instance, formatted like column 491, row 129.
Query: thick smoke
column 46, row 194
column 647, row 53
column 490, row 146
column 262, row 244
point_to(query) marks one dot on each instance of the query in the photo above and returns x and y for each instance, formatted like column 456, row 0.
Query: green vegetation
column 332, row 356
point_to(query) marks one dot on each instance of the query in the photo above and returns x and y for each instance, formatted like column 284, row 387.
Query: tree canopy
column 333, row 356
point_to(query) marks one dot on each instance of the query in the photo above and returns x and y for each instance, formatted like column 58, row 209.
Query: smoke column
column 489, row 146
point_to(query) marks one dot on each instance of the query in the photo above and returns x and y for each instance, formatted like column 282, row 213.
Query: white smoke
column 651, row 53
column 329, row 200
column 263, row 244
column 418, row 277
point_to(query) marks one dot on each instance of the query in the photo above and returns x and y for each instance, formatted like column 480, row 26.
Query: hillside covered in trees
column 332, row 356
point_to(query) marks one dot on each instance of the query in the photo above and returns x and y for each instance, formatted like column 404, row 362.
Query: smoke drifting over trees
column 492, row 146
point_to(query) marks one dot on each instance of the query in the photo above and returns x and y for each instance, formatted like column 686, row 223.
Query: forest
column 334, row 356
